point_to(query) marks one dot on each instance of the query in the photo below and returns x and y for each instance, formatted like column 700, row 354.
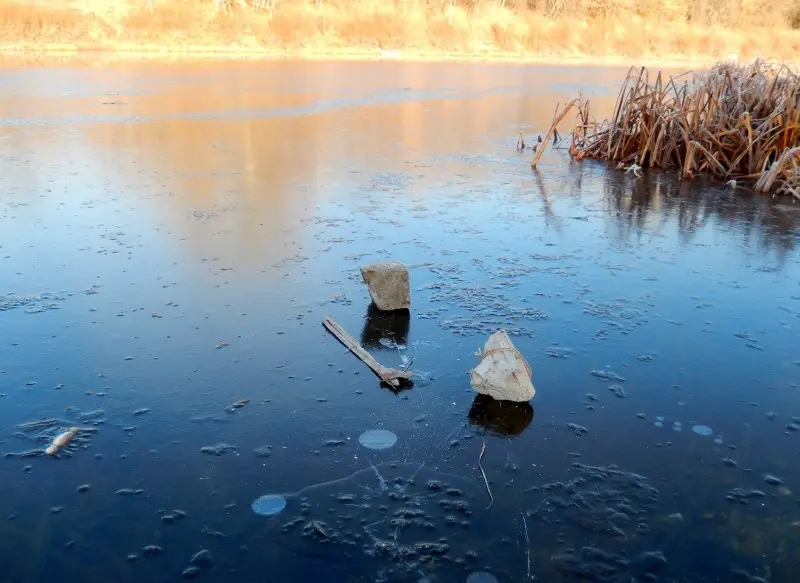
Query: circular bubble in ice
column 377, row 439
column 481, row 577
column 268, row 505
column 703, row 430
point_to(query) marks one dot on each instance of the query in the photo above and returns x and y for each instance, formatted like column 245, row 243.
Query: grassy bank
column 642, row 29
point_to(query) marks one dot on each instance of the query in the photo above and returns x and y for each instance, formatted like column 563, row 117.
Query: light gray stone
column 388, row 285
column 502, row 372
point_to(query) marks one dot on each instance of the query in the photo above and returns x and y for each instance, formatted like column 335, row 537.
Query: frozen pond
column 172, row 237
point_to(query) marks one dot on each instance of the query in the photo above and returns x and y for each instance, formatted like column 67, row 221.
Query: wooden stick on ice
column 390, row 376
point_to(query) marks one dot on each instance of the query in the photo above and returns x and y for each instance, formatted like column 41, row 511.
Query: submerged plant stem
column 527, row 543
column 485, row 481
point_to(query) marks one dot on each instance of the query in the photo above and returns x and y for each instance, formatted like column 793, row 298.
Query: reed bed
column 739, row 123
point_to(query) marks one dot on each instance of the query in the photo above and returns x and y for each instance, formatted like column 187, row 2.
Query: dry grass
column 735, row 122
column 672, row 29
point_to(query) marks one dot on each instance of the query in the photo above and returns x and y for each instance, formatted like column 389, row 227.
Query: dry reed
column 735, row 122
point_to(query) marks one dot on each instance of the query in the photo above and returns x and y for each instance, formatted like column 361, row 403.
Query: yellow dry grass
column 641, row 29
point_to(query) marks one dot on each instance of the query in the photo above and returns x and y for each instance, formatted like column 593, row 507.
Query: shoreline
column 205, row 52
column 584, row 33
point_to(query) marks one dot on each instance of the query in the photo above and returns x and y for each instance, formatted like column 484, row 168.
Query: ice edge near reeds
column 735, row 122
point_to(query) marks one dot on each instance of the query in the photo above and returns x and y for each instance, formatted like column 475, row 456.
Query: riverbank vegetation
column 671, row 29
column 739, row 123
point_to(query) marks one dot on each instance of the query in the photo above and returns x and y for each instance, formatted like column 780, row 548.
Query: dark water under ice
column 172, row 236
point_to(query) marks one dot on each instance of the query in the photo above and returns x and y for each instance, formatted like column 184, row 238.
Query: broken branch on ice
column 556, row 120
column 391, row 376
